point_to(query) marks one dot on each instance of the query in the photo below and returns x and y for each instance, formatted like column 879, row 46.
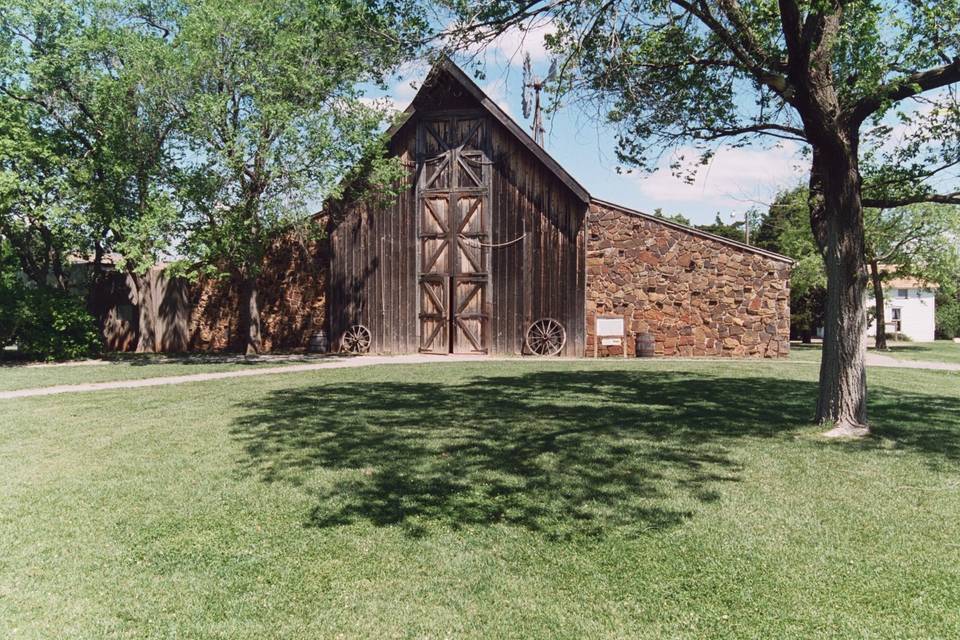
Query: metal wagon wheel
column 546, row 337
column 356, row 339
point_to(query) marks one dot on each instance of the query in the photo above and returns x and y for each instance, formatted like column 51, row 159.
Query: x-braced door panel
column 434, row 280
column 454, row 235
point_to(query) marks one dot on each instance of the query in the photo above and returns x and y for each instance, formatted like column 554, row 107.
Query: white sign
column 610, row 342
column 610, row 327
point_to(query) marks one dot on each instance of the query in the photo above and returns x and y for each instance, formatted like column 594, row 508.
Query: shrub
column 54, row 325
column 44, row 322
column 948, row 317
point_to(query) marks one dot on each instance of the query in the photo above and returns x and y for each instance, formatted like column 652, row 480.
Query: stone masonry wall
column 291, row 293
column 698, row 296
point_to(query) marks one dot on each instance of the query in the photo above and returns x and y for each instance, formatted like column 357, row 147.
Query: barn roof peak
column 448, row 66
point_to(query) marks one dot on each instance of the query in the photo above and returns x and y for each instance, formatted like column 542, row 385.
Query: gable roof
column 498, row 114
column 445, row 64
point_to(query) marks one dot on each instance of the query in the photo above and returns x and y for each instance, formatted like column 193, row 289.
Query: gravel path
column 338, row 363
column 873, row 360
column 880, row 360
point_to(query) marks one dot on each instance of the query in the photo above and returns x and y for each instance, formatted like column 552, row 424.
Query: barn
column 493, row 248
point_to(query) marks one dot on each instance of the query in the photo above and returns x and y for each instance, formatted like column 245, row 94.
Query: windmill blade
column 525, row 100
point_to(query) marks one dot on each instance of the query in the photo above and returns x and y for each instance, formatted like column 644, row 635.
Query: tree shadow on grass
column 566, row 454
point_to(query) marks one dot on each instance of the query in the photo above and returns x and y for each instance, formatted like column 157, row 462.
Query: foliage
column 274, row 116
column 920, row 240
column 948, row 314
column 45, row 322
column 676, row 217
column 10, row 290
column 90, row 85
column 786, row 230
column 733, row 230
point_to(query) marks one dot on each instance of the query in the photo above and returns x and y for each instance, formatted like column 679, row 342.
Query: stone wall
column 292, row 292
column 157, row 313
column 698, row 296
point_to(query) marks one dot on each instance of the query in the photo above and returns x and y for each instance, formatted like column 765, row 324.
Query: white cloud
column 514, row 42
column 497, row 91
column 734, row 180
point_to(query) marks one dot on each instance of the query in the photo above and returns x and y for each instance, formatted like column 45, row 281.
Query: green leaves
column 273, row 115
column 184, row 128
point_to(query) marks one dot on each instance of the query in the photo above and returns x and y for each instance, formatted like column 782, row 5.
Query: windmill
column 532, row 86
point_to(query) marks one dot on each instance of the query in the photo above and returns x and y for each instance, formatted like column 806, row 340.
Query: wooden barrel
column 319, row 342
column 646, row 345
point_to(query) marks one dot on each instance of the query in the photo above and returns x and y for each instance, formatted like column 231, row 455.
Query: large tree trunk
column 881, row 339
column 250, row 316
column 836, row 214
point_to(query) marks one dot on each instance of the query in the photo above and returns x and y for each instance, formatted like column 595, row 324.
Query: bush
column 45, row 323
column 948, row 317
column 54, row 325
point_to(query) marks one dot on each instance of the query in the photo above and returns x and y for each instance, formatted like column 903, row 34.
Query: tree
column 824, row 74
column 274, row 118
column 86, row 129
column 679, row 218
column 913, row 240
column 734, row 230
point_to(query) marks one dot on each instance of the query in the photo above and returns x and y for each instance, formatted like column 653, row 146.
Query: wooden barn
column 490, row 248
column 494, row 248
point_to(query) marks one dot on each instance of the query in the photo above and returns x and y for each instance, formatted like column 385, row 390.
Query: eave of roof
column 691, row 230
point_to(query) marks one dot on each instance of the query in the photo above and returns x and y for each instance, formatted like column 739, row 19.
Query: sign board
column 611, row 332
column 610, row 327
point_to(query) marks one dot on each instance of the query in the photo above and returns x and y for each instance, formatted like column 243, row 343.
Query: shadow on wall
column 291, row 293
column 563, row 454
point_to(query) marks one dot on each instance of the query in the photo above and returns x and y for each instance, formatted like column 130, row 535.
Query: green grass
column 804, row 352
column 124, row 367
column 939, row 351
column 523, row 499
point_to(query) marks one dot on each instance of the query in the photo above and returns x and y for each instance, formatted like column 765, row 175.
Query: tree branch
column 902, row 201
column 905, row 87
column 751, row 63
column 767, row 128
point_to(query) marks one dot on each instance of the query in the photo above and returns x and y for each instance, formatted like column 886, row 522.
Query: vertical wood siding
column 373, row 265
column 537, row 272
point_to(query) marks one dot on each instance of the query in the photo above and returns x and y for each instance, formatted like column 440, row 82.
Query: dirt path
column 873, row 360
column 339, row 363
column 881, row 360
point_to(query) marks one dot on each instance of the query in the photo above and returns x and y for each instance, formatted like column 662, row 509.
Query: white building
column 909, row 309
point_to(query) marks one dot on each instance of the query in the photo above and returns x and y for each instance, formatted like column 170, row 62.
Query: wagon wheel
column 356, row 339
column 546, row 337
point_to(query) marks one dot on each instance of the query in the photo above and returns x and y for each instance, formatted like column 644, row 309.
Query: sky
column 735, row 180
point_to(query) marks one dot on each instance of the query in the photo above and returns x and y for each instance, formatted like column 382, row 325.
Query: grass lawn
column 521, row 499
column 124, row 367
column 939, row 351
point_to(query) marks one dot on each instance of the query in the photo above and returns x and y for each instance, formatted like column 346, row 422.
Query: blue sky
column 736, row 180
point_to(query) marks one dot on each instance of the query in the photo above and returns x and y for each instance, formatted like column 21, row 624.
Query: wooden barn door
column 454, row 235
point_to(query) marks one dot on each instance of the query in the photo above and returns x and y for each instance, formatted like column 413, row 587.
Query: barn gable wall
column 698, row 296
column 372, row 278
column 534, row 250
column 540, row 273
